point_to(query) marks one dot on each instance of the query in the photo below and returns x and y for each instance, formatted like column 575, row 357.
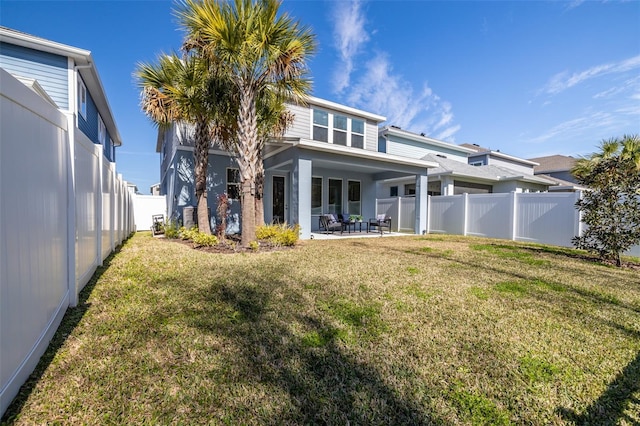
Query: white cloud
column 377, row 87
column 564, row 80
column 386, row 93
column 349, row 36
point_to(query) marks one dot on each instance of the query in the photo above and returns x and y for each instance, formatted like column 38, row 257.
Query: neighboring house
column 461, row 168
column 557, row 166
column 65, row 76
column 155, row 189
column 327, row 162
column 132, row 188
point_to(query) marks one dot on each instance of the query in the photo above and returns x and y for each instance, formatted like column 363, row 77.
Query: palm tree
column 265, row 57
column 183, row 89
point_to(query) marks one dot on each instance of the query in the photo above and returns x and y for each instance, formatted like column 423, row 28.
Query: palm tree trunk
column 248, row 161
column 260, row 194
column 201, row 155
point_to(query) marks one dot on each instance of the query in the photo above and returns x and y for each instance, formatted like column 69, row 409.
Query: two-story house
column 460, row 168
column 67, row 77
column 327, row 162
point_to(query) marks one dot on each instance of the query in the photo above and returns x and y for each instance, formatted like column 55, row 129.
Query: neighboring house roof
column 84, row 63
column 487, row 173
column 563, row 185
column 479, row 150
column 553, row 163
column 392, row 130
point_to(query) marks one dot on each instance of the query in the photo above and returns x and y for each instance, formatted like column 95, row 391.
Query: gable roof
column 479, row 150
column 487, row 173
column 553, row 163
column 86, row 67
column 396, row 131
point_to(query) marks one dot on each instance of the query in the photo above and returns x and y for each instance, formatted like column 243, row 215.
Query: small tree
column 611, row 205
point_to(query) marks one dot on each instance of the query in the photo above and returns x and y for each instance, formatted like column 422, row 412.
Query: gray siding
column 513, row 165
column 301, row 127
column 414, row 149
column 50, row 70
column 371, row 136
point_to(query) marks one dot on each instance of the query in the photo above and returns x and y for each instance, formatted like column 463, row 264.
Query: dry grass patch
column 410, row 330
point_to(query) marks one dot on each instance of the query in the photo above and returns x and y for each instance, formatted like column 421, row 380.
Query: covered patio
column 310, row 178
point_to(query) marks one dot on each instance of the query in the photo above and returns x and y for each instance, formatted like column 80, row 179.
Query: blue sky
column 530, row 78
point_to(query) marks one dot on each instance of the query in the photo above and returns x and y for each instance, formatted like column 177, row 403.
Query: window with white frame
column 82, row 98
column 233, row 184
column 357, row 133
column 354, row 193
column 339, row 130
column 316, row 195
column 102, row 131
column 320, row 125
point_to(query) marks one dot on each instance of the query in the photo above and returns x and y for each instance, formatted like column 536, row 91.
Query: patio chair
column 330, row 224
column 381, row 222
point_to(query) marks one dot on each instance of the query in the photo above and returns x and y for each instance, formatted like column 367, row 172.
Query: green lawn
column 407, row 330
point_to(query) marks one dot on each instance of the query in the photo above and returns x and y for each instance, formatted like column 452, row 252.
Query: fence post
column 465, row 213
column 399, row 212
column 71, row 214
column 428, row 214
column 578, row 216
column 514, row 215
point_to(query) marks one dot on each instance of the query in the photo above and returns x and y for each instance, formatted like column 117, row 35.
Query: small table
column 354, row 223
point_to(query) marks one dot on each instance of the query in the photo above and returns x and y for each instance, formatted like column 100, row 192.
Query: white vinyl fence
column 146, row 206
column 546, row 218
column 63, row 210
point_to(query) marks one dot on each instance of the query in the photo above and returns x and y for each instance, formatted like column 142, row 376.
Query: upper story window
column 476, row 163
column 320, row 126
column 82, row 98
column 102, row 131
column 357, row 133
column 338, row 129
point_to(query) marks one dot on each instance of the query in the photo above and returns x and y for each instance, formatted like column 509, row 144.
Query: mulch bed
column 231, row 245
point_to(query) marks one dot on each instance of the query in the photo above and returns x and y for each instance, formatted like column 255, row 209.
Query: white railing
column 62, row 211
column 546, row 218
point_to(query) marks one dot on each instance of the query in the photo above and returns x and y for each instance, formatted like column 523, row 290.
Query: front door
column 278, row 210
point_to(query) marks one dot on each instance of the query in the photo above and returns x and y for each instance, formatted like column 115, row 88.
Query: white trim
column 364, row 154
column 323, row 103
column 81, row 100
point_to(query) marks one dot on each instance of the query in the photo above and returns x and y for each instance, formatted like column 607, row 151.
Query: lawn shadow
column 610, row 407
column 69, row 322
column 325, row 383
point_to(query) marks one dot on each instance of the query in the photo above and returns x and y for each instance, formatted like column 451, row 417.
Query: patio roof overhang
column 324, row 155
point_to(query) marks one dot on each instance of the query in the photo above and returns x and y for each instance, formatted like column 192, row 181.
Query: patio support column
column 301, row 196
column 446, row 185
column 421, row 204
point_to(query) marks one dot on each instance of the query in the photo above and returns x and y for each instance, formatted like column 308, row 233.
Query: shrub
column 279, row 235
column 171, row 230
column 202, row 239
column 188, row 234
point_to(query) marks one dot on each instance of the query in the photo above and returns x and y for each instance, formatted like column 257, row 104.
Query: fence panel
column 447, row 214
column 145, row 206
column 407, row 221
column 489, row 215
column 107, row 208
column 53, row 212
column 34, row 233
column 87, row 190
column 546, row 218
